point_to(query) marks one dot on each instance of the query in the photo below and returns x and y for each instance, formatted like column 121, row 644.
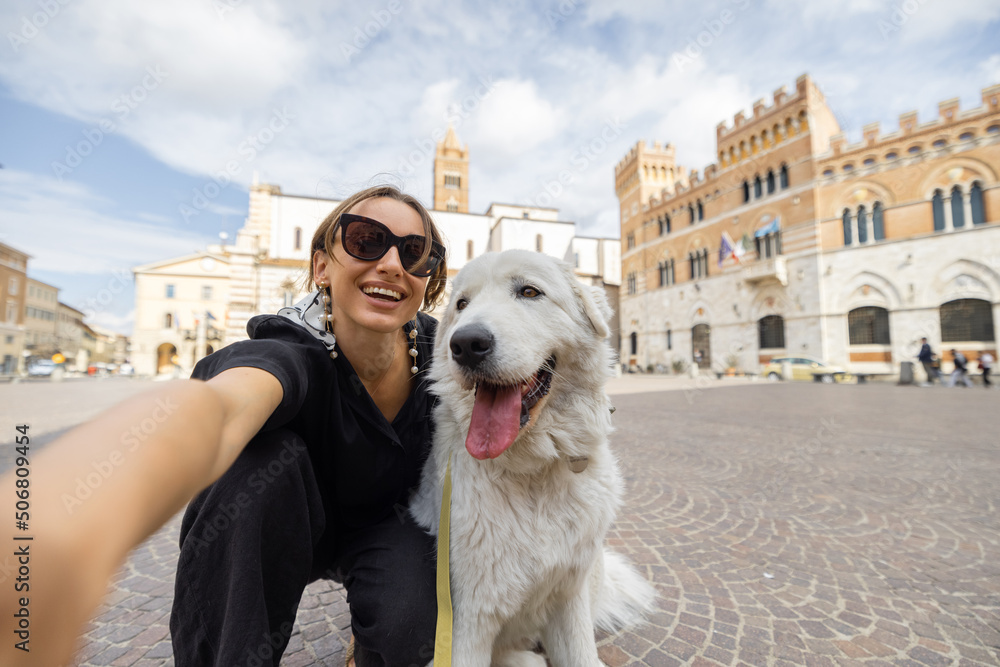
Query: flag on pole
column 729, row 248
column 769, row 228
column 725, row 247
column 740, row 248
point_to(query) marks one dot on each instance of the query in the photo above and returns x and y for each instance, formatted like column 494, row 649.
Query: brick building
column 796, row 242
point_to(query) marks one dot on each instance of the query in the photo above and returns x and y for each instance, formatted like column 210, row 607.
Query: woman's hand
column 103, row 488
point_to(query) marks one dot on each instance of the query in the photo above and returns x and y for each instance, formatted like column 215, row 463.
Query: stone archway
column 165, row 355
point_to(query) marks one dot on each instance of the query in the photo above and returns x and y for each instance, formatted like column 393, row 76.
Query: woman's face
column 354, row 282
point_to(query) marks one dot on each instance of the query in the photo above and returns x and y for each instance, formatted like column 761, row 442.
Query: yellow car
column 805, row 368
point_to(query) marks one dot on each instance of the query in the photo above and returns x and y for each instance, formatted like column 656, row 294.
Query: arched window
column 937, row 206
column 469, row 249
column 957, row 209
column 868, row 326
column 538, row 243
column 746, row 191
column 670, row 339
column 691, row 213
column 966, row 320
column 848, row 238
column 633, row 343
column 878, row 222
column 772, row 332
column 862, row 225
column 783, row 177
column 298, row 238
column 965, row 136
column 701, row 211
column 168, row 321
column 770, row 181
column 757, row 190
column 666, row 223
column 976, row 201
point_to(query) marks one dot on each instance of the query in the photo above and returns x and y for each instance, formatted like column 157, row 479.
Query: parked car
column 42, row 367
column 805, row 368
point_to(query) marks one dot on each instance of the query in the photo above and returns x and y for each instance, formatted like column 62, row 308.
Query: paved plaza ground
column 783, row 524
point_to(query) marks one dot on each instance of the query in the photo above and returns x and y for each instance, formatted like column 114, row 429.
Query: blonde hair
column 326, row 233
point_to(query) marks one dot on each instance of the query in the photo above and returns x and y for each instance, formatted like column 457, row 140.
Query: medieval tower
column 451, row 175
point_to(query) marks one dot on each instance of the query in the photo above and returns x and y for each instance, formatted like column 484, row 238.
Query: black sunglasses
column 369, row 240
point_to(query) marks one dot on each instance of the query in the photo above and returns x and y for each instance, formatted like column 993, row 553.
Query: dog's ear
column 595, row 306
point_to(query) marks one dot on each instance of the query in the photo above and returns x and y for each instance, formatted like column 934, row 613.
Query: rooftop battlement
column 805, row 90
column 642, row 149
column 949, row 115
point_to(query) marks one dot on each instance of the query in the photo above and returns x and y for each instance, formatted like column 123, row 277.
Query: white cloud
column 514, row 118
column 556, row 86
column 60, row 226
column 122, row 323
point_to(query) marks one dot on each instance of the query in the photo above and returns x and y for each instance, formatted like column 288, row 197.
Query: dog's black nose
column 470, row 345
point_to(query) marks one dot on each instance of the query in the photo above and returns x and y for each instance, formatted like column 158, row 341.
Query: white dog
column 520, row 365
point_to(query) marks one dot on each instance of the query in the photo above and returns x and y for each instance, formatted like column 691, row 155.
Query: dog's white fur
column 527, row 533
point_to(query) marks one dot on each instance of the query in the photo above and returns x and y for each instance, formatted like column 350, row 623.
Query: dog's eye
column 461, row 304
column 530, row 292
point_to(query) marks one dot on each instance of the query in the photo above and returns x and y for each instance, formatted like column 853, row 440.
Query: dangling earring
column 413, row 349
column 327, row 316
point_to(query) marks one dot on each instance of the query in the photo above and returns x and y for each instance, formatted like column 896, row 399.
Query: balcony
column 766, row 270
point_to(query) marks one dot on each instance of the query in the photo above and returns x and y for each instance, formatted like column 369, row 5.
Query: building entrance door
column 701, row 345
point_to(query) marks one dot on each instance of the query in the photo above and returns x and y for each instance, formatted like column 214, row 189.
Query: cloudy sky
column 131, row 130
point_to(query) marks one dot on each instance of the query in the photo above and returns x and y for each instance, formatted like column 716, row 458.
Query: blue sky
column 170, row 100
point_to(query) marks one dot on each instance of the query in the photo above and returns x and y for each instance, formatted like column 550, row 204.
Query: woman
column 315, row 430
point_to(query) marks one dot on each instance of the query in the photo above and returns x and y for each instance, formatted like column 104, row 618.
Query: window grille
column 772, row 332
column 967, row 320
column 868, row 326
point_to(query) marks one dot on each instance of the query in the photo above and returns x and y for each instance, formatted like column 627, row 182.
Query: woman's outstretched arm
column 103, row 488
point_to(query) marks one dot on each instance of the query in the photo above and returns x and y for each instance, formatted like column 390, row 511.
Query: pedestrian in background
column 985, row 365
column 961, row 371
column 926, row 359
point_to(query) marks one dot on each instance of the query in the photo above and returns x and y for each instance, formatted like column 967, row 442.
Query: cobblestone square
column 783, row 524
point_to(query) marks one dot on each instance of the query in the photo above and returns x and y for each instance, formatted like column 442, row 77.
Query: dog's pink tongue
column 496, row 419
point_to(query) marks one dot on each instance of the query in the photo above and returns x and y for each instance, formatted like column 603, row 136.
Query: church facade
column 797, row 243
column 187, row 307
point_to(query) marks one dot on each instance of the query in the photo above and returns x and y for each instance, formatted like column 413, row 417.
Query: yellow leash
column 442, row 635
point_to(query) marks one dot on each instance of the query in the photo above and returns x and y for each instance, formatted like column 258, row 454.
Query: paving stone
column 880, row 537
